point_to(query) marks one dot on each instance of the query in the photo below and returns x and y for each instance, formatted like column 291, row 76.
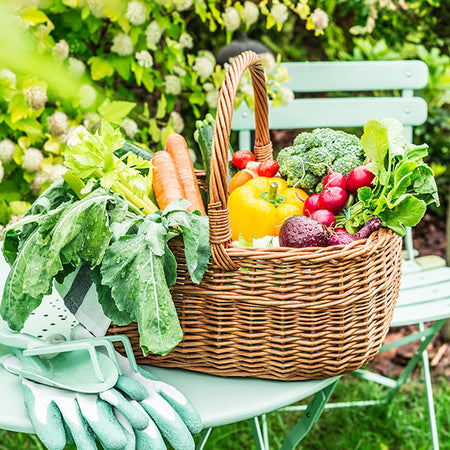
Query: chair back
column 361, row 90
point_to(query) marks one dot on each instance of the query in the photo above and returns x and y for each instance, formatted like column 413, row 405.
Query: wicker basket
column 282, row 313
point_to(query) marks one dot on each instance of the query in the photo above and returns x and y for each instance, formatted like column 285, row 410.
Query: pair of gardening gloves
column 135, row 414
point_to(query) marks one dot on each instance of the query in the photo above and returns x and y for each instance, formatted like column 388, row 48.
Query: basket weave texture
column 281, row 313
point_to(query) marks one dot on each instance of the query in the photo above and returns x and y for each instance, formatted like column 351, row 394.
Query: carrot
column 165, row 180
column 177, row 147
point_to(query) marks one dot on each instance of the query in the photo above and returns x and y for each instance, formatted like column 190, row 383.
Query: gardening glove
column 59, row 415
column 171, row 411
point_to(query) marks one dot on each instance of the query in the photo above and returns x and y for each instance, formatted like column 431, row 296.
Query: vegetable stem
column 75, row 183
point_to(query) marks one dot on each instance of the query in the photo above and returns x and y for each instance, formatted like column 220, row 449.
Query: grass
column 401, row 425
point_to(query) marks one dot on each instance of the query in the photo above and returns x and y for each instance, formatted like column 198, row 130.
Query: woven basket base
column 285, row 315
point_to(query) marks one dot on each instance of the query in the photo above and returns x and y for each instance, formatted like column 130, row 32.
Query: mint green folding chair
column 364, row 90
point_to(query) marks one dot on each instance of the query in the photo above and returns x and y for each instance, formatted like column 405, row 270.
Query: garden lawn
column 402, row 424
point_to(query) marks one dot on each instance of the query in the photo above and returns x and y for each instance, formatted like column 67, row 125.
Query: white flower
column 231, row 18
column 130, row 128
column 245, row 86
column 250, row 13
column 144, row 59
column 177, row 121
column 182, row 5
column 55, row 171
column 153, row 34
column 76, row 67
column 122, row 45
column 92, row 121
column 178, row 70
column 61, row 50
column 280, row 13
column 65, row 137
column 36, row 184
column 186, row 40
column 208, row 87
column 58, row 123
column 87, row 96
column 96, row 7
column 9, row 77
column 212, row 98
column 204, row 66
column 287, row 95
column 268, row 61
column 2, row 172
column 7, row 150
column 32, row 159
column 36, row 97
column 320, row 19
column 136, row 13
column 172, row 85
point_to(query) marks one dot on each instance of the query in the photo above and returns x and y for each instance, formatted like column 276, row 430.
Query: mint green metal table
column 219, row 401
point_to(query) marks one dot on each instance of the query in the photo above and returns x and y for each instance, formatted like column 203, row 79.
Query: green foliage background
column 148, row 66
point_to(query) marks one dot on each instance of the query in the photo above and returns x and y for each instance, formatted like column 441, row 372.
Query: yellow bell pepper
column 260, row 206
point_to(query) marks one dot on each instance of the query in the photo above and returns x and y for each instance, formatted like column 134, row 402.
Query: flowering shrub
column 149, row 66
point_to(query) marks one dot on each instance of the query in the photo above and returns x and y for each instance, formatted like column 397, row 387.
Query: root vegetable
column 333, row 198
column 347, row 238
column 302, row 231
column 359, row 177
column 324, row 216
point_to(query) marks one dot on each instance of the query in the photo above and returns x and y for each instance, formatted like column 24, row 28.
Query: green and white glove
column 59, row 413
column 174, row 415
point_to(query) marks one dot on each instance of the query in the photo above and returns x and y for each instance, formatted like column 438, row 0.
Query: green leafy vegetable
column 92, row 158
column 133, row 268
column 72, row 233
column 403, row 185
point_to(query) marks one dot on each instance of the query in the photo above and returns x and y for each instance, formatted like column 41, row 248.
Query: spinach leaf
column 375, row 142
column 195, row 233
column 106, row 300
column 133, row 268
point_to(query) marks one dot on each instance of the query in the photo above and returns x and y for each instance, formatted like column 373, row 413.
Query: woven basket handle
column 219, row 219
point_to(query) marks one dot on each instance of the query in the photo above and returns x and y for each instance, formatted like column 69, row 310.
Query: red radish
column 340, row 230
column 335, row 179
column 324, row 216
column 333, row 198
column 347, row 238
column 268, row 168
column 311, row 204
column 359, row 177
column 241, row 158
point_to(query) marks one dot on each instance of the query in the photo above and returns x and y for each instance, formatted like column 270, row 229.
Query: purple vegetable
column 347, row 238
column 302, row 231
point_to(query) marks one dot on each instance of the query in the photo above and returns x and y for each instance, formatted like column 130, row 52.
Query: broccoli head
column 345, row 164
column 315, row 153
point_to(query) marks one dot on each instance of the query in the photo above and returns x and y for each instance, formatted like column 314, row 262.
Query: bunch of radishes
column 335, row 194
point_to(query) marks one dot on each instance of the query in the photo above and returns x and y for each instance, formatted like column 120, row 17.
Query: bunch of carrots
column 174, row 175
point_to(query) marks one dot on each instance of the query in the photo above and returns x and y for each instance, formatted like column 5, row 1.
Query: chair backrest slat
column 334, row 76
column 335, row 112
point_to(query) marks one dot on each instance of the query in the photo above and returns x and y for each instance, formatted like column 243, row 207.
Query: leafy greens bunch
column 403, row 185
column 81, row 219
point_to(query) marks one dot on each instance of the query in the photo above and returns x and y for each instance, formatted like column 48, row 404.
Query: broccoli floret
column 345, row 164
column 313, row 153
column 318, row 161
column 296, row 171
